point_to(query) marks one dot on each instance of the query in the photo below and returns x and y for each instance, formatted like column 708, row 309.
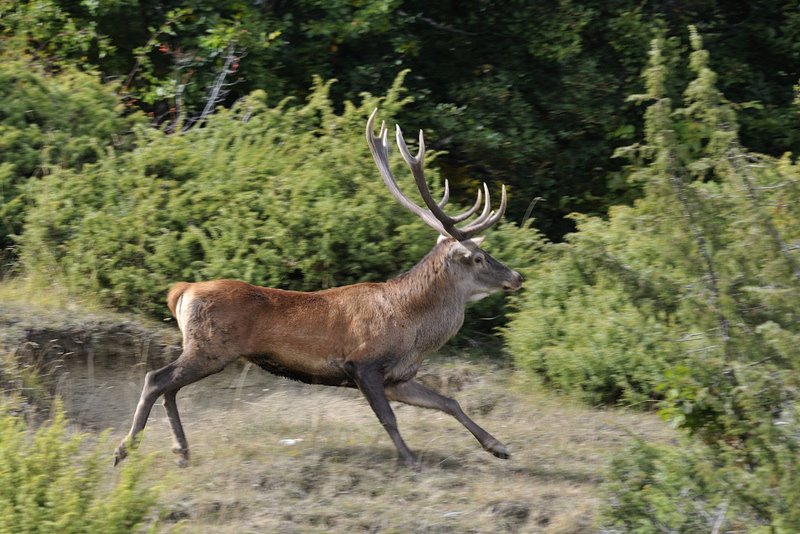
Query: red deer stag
column 372, row 336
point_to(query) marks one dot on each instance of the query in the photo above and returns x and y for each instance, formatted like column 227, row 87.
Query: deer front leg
column 370, row 382
column 415, row 394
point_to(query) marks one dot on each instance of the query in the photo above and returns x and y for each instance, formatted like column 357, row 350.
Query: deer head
column 479, row 272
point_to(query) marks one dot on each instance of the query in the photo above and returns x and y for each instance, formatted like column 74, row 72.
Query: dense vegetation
column 208, row 204
column 531, row 94
column 63, row 121
column 53, row 480
column 689, row 298
column 676, row 289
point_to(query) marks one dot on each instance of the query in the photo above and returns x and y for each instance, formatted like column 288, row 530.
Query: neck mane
column 429, row 283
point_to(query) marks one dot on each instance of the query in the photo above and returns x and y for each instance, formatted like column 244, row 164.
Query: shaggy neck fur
column 431, row 282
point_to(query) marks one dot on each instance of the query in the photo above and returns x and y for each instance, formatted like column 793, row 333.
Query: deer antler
column 434, row 216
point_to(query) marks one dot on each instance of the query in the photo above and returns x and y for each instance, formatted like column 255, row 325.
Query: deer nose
column 518, row 279
column 515, row 283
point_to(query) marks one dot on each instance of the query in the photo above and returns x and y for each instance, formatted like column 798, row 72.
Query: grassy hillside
column 271, row 455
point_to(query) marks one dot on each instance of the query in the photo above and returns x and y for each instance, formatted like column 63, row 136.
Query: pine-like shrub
column 686, row 300
column 49, row 483
column 685, row 488
column 702, row 268
column 64, row 119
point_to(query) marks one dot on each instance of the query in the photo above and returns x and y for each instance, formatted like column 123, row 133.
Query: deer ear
column 478, row 240
column 460, row 251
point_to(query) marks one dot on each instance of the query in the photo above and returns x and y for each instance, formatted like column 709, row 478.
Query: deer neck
column 430, row 292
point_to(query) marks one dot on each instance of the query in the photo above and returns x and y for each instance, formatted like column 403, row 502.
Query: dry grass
column 45, row 295
column 337, row 472
column 269, row 455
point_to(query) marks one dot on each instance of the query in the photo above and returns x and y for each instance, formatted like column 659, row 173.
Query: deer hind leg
column 179, row 445
column 370, row 382
column 167, row 381
column 413, row 393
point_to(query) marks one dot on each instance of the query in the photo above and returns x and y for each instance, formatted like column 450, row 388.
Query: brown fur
column 317, row 333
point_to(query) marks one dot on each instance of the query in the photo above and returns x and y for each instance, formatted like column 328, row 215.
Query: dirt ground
column 272, row 455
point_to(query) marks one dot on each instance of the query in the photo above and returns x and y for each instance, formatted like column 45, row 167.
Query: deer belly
column 402, row 369
column 327, row 373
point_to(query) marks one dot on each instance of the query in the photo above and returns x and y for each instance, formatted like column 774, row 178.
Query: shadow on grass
column 553, row 473
column 366, row 456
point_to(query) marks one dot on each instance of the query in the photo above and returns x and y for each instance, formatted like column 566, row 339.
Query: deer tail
column 174, row 297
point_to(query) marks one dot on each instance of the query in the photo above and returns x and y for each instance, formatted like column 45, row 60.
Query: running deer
column 370, row 336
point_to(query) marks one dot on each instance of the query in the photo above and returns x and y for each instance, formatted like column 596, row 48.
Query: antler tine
column 487, row 209
column 467, row 214
column 415, row 163
column 378, row 146
column 479, row 225
column 434, row 216
column 446, row 195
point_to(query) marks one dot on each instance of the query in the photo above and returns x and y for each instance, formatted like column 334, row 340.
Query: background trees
column 531, row 94
column 686, row 298
column 279, row 196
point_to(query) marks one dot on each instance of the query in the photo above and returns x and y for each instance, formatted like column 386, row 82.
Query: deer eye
column 478, row 259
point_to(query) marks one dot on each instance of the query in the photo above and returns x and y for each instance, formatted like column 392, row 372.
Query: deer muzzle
column 514, row 283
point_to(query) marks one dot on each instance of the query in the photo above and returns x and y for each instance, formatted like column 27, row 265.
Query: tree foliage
column 688, row 297
column 527, row 94
column 65, row 120
column 283, row 196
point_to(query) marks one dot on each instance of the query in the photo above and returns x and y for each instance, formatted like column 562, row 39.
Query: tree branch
column 702, row 246
column 216, row 89
column 434, row 24
column 735, row 157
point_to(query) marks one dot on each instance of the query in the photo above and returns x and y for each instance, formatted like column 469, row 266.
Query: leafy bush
column 579, row 328
column 701, row 270
column 48, row 484
column 283, row 196
column 688, row 298
column 651, row 489
column 668, row 488
column 66, row 119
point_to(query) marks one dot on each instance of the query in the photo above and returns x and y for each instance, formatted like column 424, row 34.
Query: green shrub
column 284, row 196
column 589, row 323
column 684, row 489
column 65, row 119
column 687, row 299
column 652, row 489
column 48, row 483
column 701, row 272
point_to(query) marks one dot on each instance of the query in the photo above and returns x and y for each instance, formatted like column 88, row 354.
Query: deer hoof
column 183, row 460
column 409, row 461
column 119, row 454
column 499, row 450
